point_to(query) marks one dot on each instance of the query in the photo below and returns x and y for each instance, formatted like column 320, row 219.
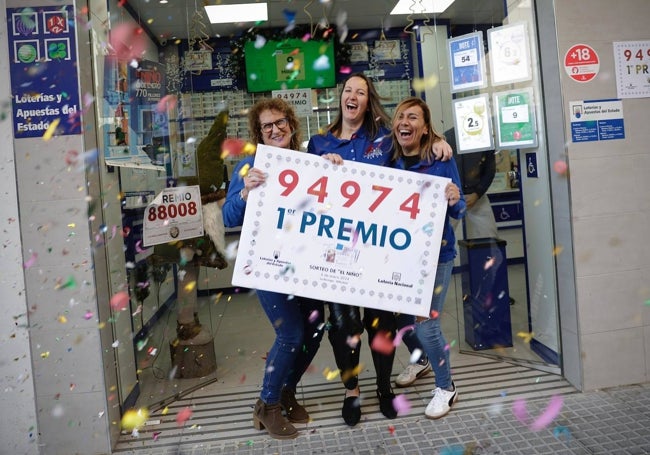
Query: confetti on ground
column 561, row 431
column 455, row 449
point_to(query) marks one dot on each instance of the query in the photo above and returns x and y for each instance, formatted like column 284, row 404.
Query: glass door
column 505, row 297
column 163, row 334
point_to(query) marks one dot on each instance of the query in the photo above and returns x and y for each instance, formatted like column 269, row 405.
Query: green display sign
column 515, row 113
column 289, row 64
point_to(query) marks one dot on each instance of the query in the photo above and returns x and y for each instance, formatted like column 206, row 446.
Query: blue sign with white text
column 43, row 68
column 597, row 120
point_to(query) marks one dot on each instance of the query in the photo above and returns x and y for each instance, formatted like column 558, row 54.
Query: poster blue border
column 43, row 70
column 470, row 76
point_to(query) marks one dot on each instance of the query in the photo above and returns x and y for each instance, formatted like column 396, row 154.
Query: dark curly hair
column 276, row 104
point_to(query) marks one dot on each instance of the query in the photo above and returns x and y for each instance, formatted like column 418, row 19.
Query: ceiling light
column 421, row 7
column 243, row 12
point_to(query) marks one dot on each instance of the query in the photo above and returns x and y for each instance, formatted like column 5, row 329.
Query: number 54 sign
column 356, row 234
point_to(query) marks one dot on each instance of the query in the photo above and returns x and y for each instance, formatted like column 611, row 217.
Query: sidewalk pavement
column 611, row 421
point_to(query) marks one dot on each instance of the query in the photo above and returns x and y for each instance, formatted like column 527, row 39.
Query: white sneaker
column 412, row 372
column 441, row 403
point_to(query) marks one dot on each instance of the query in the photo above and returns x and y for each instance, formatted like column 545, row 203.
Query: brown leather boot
column 296, row 413
column 270, row 416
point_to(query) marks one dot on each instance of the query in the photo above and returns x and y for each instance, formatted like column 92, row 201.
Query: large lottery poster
column 356, row 233
column 43, row 66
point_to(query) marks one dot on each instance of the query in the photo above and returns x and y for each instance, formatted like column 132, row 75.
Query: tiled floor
column 485, row 420
column 242, row 335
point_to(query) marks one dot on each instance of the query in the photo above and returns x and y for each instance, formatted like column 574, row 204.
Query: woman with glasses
column 361, row 132
column 297, row 332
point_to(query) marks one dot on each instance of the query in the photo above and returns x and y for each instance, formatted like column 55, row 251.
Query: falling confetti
column 330, row 374
column 550, row 413
column 243, row 172
column 322, row 63
column 69, row 283
column 183, row 416
column 415, row 355
column 166, row 103
column 127, row 41
column 134, row 419
column 526, row 336
column 51, row 129
column 421, row 85
column 560, row 167
column 232, row 147
column 520, row 411
column 382, row 343
column 401, row 332
column 401, row 404
column 31, row 261
column 313, row 316
column 119, row 301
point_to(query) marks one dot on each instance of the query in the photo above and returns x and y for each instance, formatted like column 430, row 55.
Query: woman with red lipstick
column 360, row 132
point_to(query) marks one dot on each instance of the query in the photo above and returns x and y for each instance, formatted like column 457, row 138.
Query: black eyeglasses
column 281, row 123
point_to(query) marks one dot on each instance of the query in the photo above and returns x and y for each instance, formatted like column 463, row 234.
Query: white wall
column 610, row 202
column 18, row 433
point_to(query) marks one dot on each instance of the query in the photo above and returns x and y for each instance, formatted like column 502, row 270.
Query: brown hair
column 276, row 104
column 427, row 140
column 374, row 118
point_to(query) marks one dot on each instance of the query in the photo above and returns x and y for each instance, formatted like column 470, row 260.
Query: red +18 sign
column 581, row 63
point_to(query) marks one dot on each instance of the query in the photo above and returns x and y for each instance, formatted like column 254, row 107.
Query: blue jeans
column 286, row 319
column 429, row 333
column 311, row 312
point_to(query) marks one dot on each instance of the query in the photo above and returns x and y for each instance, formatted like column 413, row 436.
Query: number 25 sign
column 356, row 233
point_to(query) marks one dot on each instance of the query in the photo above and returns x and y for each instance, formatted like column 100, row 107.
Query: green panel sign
column 289, row 64
column 515, row 113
